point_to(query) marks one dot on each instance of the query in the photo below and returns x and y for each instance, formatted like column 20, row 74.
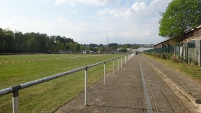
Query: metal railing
column 15, row 89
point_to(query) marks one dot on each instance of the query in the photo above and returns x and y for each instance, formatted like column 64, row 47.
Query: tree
column 7, row 41
column 123, row 50
column 50, row 44
column 19, row 42
column 113, row 45
column 72, row 46
column 179, row 17
column 78, row 47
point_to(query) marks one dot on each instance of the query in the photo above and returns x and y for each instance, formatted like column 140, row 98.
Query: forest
column 18, row 42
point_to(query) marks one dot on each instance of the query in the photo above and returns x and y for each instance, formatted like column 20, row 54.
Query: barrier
column 15, row 89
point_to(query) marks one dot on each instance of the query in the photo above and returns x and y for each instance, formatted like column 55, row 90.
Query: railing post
column 104, row 72
column 129, row 57
column 85, row 84
column 121, row 62
column 118, row 63
column 15, row 102
column 113, row 67
column 125, row 59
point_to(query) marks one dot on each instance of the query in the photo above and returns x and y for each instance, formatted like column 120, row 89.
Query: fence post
column 104, row 72
column 15, row 102
column 85, row 97
column 118, row 63
column 121, row 62
column 113, row 67
column 129, row 57
column 125, row 59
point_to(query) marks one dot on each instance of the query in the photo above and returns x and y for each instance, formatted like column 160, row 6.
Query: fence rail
column 15, row 89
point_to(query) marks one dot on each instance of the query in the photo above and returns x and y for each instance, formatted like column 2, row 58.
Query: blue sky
column 87, row 21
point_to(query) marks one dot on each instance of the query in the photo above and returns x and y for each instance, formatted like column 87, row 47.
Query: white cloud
column 70, row 2
column 108, row 11
column 138, row 9
column 89, row 2
column 141, row 9
column 139, row 22
column 99, row 2
column 138, row 6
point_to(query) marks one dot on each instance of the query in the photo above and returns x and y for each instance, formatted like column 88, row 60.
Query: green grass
column 192, row 71
column 48, row 96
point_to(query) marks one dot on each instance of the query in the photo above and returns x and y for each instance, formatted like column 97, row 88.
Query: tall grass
column 48, row 96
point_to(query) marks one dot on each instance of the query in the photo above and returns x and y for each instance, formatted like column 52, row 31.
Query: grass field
column 48, row 96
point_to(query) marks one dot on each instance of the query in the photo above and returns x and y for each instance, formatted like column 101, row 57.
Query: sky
column 87, row 21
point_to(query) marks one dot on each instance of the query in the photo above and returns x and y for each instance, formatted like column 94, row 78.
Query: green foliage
column 179, row 17
column 164, row 55
column 6, row 40
column 123, row 50
column 34, row 43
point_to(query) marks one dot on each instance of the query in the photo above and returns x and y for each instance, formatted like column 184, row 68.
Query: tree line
column 19, row 42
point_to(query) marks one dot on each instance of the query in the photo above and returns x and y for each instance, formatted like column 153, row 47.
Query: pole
column 121, row 62
column 85, row 92
column 104, row 72
column 118, row 63
column 15, row 102
column 125, row 59
column 113, row 67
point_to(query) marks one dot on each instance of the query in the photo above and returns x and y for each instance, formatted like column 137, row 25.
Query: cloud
column 138, row 22
column 70, row 2
column 137, row 9
column 138, row 6
column 107, row 11
column 88, row 2
column 143, row 9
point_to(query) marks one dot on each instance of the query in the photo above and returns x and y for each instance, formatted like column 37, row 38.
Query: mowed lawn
column 48, row 96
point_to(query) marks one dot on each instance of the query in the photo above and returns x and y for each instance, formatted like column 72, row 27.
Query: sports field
column 48, row 96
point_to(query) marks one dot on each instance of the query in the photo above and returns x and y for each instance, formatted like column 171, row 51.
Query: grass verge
column 192, row 71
